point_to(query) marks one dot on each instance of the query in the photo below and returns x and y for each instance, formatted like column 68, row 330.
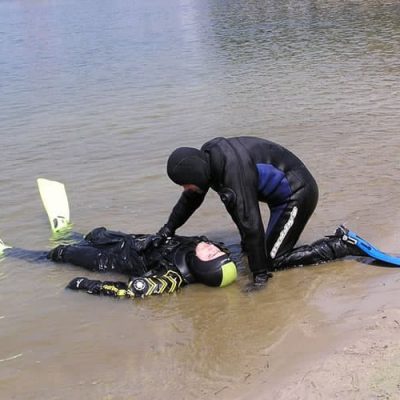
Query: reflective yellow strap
column 115, row 290
column 169, row 282
column 163, row 286
column 178, row 280
column 152, row 287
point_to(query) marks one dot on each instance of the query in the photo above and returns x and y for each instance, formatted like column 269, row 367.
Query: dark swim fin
column 369, row 250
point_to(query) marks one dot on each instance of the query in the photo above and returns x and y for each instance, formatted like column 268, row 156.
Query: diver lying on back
column 155, row 265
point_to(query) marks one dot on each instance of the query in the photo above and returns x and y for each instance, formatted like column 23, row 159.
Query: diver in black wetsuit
column 245, row 171
column 155, row 265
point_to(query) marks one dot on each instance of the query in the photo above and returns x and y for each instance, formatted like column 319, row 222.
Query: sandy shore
column 366, row 366
column 351, row 350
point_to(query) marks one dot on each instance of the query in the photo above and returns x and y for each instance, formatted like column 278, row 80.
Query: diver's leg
column 323, row 250
column 24, row 254
column 81, row 254
column 287, row 221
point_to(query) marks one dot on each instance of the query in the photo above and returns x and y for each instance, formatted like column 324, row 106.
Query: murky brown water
column 97, row 95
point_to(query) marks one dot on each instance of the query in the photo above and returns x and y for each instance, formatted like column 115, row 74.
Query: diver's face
column 208, row 251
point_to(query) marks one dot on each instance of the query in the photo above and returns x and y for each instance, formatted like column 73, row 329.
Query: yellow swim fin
column 55, row 202
column 3, row 246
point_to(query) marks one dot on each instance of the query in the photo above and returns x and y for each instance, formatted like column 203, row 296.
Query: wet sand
column 351, row 350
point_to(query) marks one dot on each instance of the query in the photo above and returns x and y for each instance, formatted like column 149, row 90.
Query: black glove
column 165, row 232
column 149, row 241
column 91, row 286
column 157, row 240
column 259, row 281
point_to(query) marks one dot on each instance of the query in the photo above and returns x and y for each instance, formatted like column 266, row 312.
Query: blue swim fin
column 369, row 250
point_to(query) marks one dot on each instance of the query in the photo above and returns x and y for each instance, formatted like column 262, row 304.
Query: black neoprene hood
column 187, row 165
column 209, row 272
column 220, row 271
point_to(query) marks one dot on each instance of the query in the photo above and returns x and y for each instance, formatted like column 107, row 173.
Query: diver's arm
column 245, row 212
column 168, row 282
column 254, row 243
column 187, row 204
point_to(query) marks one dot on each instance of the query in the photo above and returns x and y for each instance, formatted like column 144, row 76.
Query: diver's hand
column 158, row 240
column 259, row 282
column 89, row 285
column 165, row 232
column 150, row 241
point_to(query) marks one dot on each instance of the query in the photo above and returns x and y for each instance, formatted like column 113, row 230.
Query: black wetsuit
column 129, row 254
column 245, row 171
column 154, row 265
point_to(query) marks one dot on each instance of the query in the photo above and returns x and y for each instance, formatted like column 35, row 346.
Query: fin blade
column 3, row 247
column 372, row 251
column 55, row 202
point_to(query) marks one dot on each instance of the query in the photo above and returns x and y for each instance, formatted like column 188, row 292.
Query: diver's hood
column 187, row 165
column 218, row 272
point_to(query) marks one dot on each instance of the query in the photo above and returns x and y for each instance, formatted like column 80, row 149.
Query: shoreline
column 352, row 353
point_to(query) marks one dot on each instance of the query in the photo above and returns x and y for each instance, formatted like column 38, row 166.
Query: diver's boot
column 323, row 250
column 343, row 233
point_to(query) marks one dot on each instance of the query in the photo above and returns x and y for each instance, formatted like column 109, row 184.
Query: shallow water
column 97, row 95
